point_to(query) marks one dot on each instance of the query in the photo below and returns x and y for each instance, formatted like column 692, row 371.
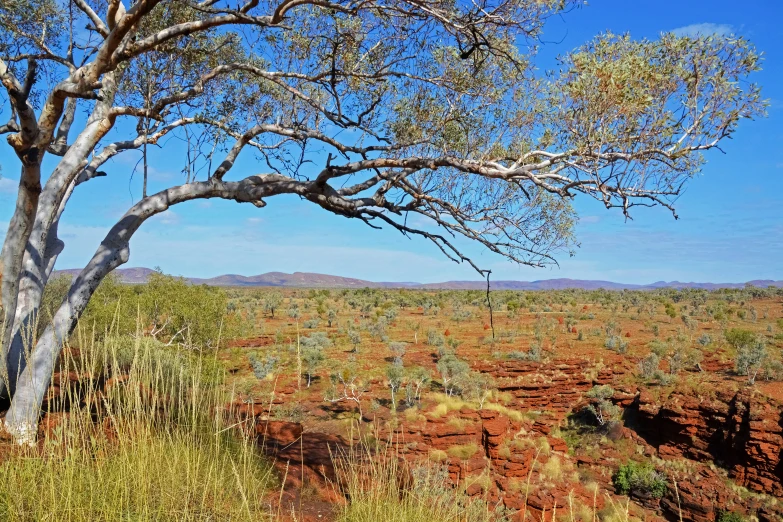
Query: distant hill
column 311, row 280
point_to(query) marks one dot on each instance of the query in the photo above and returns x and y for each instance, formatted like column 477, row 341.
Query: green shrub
column 640, row 478
column 316, row 340
column 739, row 337
column 750, row 359
column 263, row 367
column 601, row 406
column 166, row 308
column 729, row 516
column 649, row 366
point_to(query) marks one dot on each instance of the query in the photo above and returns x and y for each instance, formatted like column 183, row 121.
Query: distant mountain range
column 310, row 280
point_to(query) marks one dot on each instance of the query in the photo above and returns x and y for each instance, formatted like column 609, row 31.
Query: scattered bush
column 451, row 368
column 398, row 351
column 533, row 354
column 395, row 375
column 641, row 479
column 648, row 366
column 750, row 359
column 316, row 340
column 616, row 343
column 739, row 338
column 311, row 323
column 602, row 408
column 476, row 386
column 262, row 368
column 312, row 358
column 773, row 370
column 355, row 338
column 418, row 379
column 682, row 357
column 272, row 302
column 435, row 338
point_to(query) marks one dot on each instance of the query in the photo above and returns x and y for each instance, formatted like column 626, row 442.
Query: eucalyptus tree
column 371, row 110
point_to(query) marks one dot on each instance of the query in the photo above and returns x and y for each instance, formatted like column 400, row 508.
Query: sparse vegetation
column 365, row 388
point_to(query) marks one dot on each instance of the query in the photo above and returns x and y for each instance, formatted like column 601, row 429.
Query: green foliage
column 640, row 478
column 312, row 358
column 263, row 367
column 729, row 516
column 476, row 386
column 601, row 406
column 451, row 368
column 316, row 340
column 739, row 338
column 750, row 359
column 166, row 308
column 648, row 366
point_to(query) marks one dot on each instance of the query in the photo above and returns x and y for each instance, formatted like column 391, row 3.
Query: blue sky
column 730, row 228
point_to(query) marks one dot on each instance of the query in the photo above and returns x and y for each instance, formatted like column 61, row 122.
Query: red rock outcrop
column 742, row 432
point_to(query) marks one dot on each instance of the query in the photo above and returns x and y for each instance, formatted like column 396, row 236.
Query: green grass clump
column 730, row 516
column 641, row 478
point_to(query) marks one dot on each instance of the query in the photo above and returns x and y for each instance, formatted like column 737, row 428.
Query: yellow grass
column 156, row 446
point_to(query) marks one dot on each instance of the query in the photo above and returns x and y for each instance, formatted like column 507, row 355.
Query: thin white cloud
column 8, row 186
column 254, row 220
column 169, row 217
column 704, row 29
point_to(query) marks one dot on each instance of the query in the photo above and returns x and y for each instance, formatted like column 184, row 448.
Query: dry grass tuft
column 156, row 444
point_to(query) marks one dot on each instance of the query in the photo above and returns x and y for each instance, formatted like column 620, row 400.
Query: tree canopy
column 371, row 110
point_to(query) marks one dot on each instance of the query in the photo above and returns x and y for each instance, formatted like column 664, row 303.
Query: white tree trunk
column 11, row 256
column 35, row 275
column 22, row 418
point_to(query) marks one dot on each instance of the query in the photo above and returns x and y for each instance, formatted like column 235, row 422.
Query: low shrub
column 729, row 516
column 750, row 359
column 640, row 478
